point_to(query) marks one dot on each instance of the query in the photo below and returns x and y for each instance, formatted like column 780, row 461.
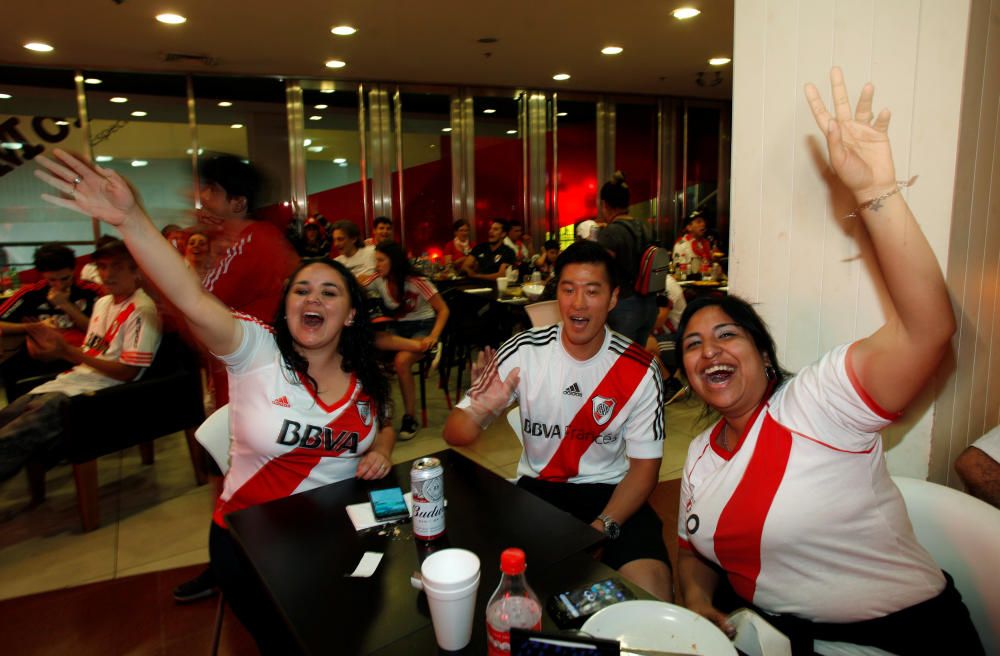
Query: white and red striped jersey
column 582, row 420
column 285, row 440
column 127, row 332
column 415, row 304
column 803, row 515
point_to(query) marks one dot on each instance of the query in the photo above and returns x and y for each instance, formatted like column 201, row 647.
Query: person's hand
column 427, row 343
column 489, row 394
column 859, row 149
column 97, row 191
column 45, row 342
column 715, row 616
column 373, row 466
column 56, row 298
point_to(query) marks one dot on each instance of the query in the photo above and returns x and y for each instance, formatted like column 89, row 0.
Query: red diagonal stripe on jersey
column 619, row 384
column 741, row 524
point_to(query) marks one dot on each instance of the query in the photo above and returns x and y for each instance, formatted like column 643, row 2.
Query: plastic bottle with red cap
column 514, row 604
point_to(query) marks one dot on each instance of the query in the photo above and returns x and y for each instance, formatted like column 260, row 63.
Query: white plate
column 659, row 625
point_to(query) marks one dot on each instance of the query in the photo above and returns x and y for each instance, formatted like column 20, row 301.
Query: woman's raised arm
column 895, row 362
column 102, row 193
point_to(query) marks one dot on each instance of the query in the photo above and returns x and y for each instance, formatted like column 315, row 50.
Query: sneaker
column 408, row 428
column 200, row 587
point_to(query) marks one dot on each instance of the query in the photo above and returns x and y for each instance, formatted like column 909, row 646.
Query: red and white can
column 427, row 488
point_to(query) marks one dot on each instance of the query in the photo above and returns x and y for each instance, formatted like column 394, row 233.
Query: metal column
column 605, row 140
column 536, row 220
column 381, row 151
column 297, row 150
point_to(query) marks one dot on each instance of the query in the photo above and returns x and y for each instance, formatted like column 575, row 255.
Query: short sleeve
column 256, row 347
column 990, row 443
column 643, row 429
column 425, row 288
column 507, row 255
column 141, row 336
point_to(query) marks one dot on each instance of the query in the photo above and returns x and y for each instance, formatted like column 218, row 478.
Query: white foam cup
column 450, row 578
column 502, row 284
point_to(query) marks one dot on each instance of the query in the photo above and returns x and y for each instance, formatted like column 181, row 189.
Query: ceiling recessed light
column 560, row 76
column 38, row 46
column 307, row 142
column 315, row 117
column 684, row 13
column 315, row 149
column 562, row 113
column 320, row 106
column 719, row 61
column 445, row 129
column 12, row 145
column 327, row 90
column 5, row 96
column 511, row 131
column 343, row 30
column 139, row 163
column 103, row 158
column 489, row 110
column 335, row 63
column 225, row 103
column 62, row 122
column 342, row 164
column 93, row 80
column 171, row 19
column 612, row 50
column 119, row 99
column 139, row 113
column 236, row 126
column 340, row 160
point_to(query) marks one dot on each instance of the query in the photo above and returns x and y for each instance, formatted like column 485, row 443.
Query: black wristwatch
column 612, row 529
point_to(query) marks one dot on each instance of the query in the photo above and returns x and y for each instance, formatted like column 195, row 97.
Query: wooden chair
column 166, row 399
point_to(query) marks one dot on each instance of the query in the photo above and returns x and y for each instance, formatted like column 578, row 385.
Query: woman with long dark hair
column 420, row 316
column 307, row 403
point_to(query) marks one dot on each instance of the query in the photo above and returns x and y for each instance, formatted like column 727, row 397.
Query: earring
column 770, row 373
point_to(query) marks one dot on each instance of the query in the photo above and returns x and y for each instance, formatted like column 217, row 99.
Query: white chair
column 962, row 533
column 544, row 313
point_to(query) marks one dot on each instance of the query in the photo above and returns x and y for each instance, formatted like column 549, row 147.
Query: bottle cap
column 512, row 561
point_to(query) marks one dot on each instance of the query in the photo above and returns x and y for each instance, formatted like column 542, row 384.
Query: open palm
column 97, row 192
column 859, row 149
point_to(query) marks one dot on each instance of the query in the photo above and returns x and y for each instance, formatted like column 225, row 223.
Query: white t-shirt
column 415, row 305
column 803, row 515
column 582, row 420
column 285, row 439
column 361, row 264
column 127, row 332
column 990, row 443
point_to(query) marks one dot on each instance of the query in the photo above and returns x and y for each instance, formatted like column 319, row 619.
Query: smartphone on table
column 388, row 503
column 571, row 609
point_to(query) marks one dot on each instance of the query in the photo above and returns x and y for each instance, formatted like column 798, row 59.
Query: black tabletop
column 303, row 546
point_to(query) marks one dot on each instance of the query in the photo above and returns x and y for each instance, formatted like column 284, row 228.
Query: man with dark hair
column 122, row 337
column 382, row 231
column 515, row 241
column 545, row 263
column 58, row 300
column 591, row 417
column 358, row 258
column 490, row 260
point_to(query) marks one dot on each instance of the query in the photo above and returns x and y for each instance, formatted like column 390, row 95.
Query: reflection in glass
column 499, row 182
column 577, row 184
column 426, row 171
column 635, row 155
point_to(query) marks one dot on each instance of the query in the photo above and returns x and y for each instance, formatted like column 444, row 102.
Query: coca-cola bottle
column 514, row 604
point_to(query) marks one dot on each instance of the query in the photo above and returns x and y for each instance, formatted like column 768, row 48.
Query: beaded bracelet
column 876, row 203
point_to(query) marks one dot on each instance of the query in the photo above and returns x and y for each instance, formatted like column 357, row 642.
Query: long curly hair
column 356, row 346
column 399, row 266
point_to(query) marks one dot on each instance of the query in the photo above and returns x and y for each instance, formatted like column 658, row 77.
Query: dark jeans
column 30, row 427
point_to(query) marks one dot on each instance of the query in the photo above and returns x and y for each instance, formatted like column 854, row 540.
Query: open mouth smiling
column 312, row 320
column 718, row 374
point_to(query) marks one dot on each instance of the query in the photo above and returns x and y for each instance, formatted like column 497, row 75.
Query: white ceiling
column 434, row 41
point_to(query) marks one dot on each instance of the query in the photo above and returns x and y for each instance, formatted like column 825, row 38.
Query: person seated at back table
column 515, row 240
column 591, row 407
column 491, row 259
column 358, row 258
column 545, row 263
column 979, row 468
column 122, row 337
column 59, row 300
column 420, row 315
column 788, row 496
column 381, row 231
column 454, row 251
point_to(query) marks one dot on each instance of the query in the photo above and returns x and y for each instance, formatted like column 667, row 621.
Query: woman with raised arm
column 308, row 405
column 788, row 495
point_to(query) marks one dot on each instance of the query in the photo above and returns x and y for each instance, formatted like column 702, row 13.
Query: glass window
column 38, row 112
column 635, row 155
column 702, row 181
column 499, row 163
column 577, row 185
column 426, row 171
column 139, row 127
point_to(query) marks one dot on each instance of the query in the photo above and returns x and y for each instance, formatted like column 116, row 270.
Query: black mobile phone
column 536, row 643
column 571, row 608
column 388, row 503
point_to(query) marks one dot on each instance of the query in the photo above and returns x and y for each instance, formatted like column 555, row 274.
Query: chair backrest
column 962, row 533
column 544, row 313
column 214, row 434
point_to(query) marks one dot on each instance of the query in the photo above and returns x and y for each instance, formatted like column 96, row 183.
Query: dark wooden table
column 303, row 546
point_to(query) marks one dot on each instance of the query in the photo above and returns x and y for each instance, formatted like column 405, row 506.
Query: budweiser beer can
column 427, row 488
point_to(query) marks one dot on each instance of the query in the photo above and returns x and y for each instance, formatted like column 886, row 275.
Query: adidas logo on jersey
column 282, row 401
column 573, row 390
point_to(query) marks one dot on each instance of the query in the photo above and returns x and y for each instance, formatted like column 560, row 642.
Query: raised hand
column 97, row 191
column 489, row 394
column 859, row 148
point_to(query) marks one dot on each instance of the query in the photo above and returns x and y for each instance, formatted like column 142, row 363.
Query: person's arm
column 49, row 344
column 12, row 328
column 61, row 301
column 441, row 313
column 698, row 581
column 377, row 461
column 469, row 266
column 981, row 475
column 632, row 491
column 894, row 363
column 104, row 194
column 489, row 396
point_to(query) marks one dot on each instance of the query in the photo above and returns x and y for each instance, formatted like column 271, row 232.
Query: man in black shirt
column 59, row 300
column 489, row 260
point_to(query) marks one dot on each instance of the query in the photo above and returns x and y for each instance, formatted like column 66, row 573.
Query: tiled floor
column 155, row 518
